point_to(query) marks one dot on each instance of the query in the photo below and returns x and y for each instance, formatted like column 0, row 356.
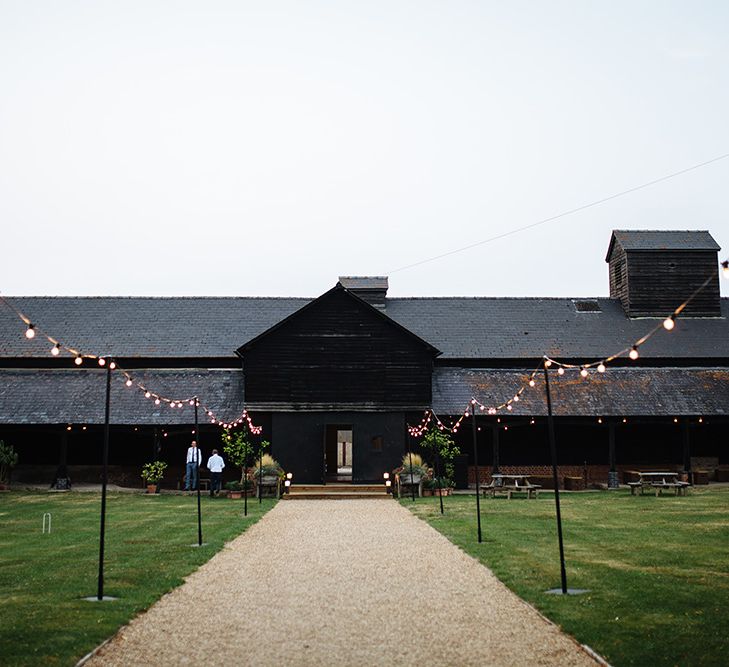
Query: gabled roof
column 339, row 288
column 639, row 240
column 646, row 392
column 462, row 327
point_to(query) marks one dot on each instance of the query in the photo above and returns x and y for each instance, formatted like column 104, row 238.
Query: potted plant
column 152, row 473
column 240, row 452
column 235, row 489
column 268, row 473
column 8, row 460
column 445, row 451
column 412, row 471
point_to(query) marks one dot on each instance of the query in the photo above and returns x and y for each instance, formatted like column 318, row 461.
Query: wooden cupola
column 372, row 289
column 653, row 272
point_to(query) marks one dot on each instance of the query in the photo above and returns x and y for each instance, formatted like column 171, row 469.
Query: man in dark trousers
column 192, row 463
column 215, row 466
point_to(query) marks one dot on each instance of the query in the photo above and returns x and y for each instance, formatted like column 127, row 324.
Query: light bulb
column 633, row 354
column 112, row 365
column 560, row 371
column 547, row 362
column 516, row 398
column 128, row 383
column 668, row 323
column 156, row 401
column 147, row 394
column 102, row 361
column 583, row 372
column 508, row 407
column 55, row 350
column 78, row 360
column 30, row 331
column 601, row 368
column 532, row 383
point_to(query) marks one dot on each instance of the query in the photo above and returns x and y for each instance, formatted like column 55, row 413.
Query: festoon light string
column 474, row 404
column 600, row 365
column 157, row 398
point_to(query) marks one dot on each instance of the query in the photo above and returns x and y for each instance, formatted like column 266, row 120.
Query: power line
column 559, row 215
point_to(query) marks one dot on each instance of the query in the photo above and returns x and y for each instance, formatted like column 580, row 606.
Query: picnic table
column 658, row 481
column 509, row 484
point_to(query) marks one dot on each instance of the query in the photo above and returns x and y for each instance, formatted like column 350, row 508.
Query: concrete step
column 340, row 495
column 339, row 488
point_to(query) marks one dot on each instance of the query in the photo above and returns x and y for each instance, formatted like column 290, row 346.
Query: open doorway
column 338, row 453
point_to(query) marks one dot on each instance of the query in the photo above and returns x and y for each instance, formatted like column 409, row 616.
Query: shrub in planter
column 152, row 473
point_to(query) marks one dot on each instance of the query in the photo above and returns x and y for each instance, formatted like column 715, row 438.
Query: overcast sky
column 265, row 148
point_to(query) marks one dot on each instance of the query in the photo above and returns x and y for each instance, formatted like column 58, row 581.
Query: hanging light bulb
column 516, row 398
column 669, row 323
column 112, row 365
column 55, row 350
column 601, row 367
column 156, row 401
column 508, row 407
column 633, row 354
column 560, row 371
column 78, row 360
column 147, row 394
column 583, row 372
column 102, row 361
column 30, row 331
column 532, row 383
column 547, row 362
column 128, row 383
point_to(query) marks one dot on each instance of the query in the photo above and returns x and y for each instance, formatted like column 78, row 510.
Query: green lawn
column 657, row 568
column 44, row 621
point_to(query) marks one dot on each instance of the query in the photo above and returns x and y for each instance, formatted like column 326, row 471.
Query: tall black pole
column 495, row 444
column 437, row 476
column 197, row 477
column 412, row 479
column 260, row 470
column 245, row 485
column 104, row 480
column 475, row 463
column 553, row 448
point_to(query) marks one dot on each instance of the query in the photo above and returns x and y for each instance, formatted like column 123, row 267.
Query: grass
column 657, row 569
column 148, row 553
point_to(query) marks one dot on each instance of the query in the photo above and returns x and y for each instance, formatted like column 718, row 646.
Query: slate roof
column 637, row 240
column 461, row 327
column 78, row 396
column 621, row 392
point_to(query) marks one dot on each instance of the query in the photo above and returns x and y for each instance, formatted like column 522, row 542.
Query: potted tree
column 445, row 451
column 8, row 460
column 240, row 452
column 152, row 473
column 235, row 489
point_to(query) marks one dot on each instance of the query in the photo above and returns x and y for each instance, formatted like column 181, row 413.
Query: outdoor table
column 658, row 481
column 508, row 484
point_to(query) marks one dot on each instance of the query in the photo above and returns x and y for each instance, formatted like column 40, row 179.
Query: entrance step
column 335, row 491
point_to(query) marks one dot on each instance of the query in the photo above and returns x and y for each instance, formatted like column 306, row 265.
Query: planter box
column 443, row 492
column 701, row 477
column 574, row 483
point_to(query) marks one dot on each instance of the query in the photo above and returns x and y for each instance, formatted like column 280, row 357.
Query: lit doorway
column 338, row 453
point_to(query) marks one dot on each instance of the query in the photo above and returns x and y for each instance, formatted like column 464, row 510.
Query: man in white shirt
column 215, row 466
column 192, row 464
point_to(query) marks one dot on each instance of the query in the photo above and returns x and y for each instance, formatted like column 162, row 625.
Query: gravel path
column 341, row 582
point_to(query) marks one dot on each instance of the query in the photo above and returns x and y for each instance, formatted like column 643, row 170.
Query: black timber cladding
column 337, row 352
column 653, row 272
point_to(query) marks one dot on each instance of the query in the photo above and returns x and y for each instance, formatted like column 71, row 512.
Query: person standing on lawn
column 193, row 463
column 215, row 466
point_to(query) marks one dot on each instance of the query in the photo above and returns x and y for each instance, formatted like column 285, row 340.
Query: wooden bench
column 509, row 484
column 658, row 481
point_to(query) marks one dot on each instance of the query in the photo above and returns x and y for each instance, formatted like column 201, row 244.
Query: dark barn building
column 334, row 381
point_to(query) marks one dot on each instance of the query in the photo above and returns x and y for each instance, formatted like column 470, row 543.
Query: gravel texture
column 341, row 582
